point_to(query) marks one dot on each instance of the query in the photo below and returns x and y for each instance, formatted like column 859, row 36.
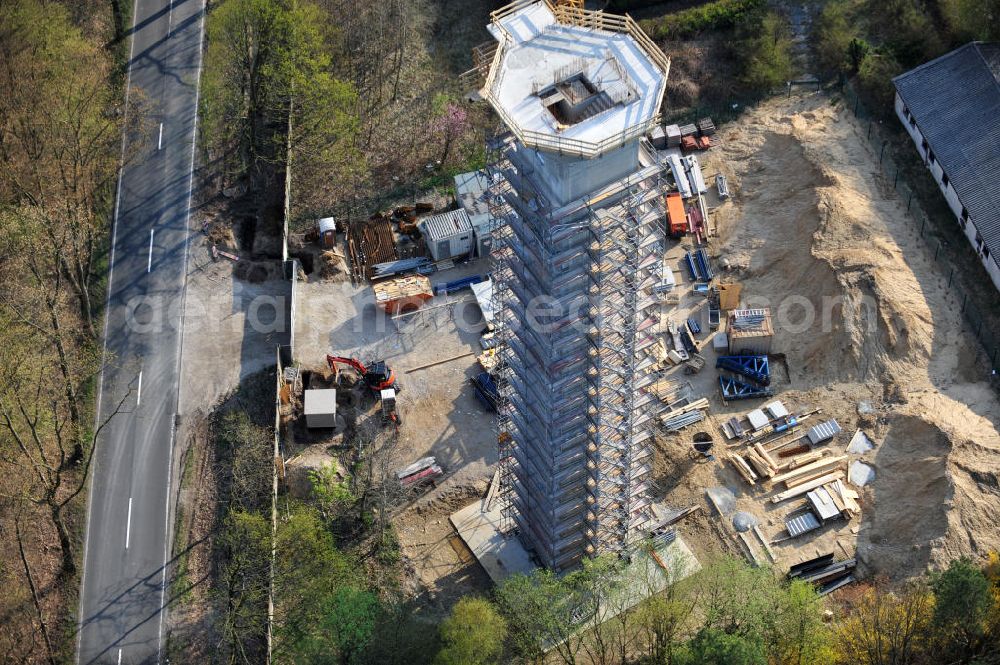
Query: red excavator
column 377, row 376
column 379, row 379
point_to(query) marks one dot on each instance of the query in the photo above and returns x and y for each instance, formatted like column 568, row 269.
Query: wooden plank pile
column 422, row 471
column 368, row 243
column 802, row 473
column 844, row 498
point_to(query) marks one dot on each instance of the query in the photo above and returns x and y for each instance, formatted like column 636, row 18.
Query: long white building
column 951, row 108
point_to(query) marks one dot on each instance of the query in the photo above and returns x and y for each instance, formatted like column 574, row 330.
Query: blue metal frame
column 755, row 368
column 733, row 389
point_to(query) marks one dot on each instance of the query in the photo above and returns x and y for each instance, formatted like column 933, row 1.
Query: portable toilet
column 327, row 232
column 448, row 235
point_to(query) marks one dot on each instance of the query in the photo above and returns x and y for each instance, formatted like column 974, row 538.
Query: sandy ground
column 441, row 416
column 863, row 313
column 232, row 329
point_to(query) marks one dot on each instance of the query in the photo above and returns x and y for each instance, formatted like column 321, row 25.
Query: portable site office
column 448, row 235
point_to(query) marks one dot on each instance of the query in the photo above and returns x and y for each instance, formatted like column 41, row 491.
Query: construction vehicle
column 486, row 390
column 380, row 380
column 377, row 375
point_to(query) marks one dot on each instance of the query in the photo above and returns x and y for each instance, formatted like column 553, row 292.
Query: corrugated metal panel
column 802, row 524
column 448, row 235
column 955, row 100
column 823, row 504
column 446, row 225
column 823, row 431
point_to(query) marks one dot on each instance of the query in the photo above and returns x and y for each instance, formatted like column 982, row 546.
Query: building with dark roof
column 951, row 108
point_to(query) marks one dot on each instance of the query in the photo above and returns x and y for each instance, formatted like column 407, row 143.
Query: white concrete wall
column 950, row 195
column 567, row 178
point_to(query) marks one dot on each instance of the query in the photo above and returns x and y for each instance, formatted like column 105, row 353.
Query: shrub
column 473, row 634
column 875, row 78
column 715, row 647
column 832, row 34
column 767, row 53
column 718, row 15
column 963, row 604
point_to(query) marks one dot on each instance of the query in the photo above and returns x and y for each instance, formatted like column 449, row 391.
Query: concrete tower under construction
column 576, row 200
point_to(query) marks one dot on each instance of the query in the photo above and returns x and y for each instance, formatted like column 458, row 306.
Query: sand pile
column 864, row 312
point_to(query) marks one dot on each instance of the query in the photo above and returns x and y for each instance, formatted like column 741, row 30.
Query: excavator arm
column 333, row 361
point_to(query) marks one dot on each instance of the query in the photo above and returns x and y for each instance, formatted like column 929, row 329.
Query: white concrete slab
column 500, row 557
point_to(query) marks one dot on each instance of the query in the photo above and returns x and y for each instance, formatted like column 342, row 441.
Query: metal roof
column 955, row 100
column 445, row 225
column 823, row 431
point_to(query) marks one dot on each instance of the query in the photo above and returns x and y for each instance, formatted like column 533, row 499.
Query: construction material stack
column 750, row 331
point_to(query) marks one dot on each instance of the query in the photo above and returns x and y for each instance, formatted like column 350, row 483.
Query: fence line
column 875, row 135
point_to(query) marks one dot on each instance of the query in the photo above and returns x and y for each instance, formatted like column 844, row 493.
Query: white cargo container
column 448, row 235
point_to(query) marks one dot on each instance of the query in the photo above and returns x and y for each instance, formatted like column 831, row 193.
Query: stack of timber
column 807, row 486
column 803, row 473
column 762, row 461
column 744, row 469
column 698, row 404
column 825, row 573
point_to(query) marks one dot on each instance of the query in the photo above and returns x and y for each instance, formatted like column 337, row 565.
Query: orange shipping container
column 676, row 217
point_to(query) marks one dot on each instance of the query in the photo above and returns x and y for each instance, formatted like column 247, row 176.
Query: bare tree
column 35, row 599
column 46, row 368
column 376, row 484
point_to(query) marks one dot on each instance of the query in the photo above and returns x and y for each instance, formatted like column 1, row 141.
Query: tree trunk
column 65, row 541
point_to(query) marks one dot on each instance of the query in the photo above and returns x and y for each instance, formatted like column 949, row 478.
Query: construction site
column 647, row 340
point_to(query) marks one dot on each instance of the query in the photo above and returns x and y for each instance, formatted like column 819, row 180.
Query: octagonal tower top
column 572, row 81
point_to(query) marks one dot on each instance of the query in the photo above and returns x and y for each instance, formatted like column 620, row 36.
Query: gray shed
column 448, row 235
column 320, row 408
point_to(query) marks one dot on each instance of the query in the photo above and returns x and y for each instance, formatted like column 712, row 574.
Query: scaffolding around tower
column 576, row 204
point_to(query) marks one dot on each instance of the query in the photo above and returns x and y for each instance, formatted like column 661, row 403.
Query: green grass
column 179, row 583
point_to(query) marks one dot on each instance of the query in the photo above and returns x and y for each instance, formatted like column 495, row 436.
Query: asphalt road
column 124, row 594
